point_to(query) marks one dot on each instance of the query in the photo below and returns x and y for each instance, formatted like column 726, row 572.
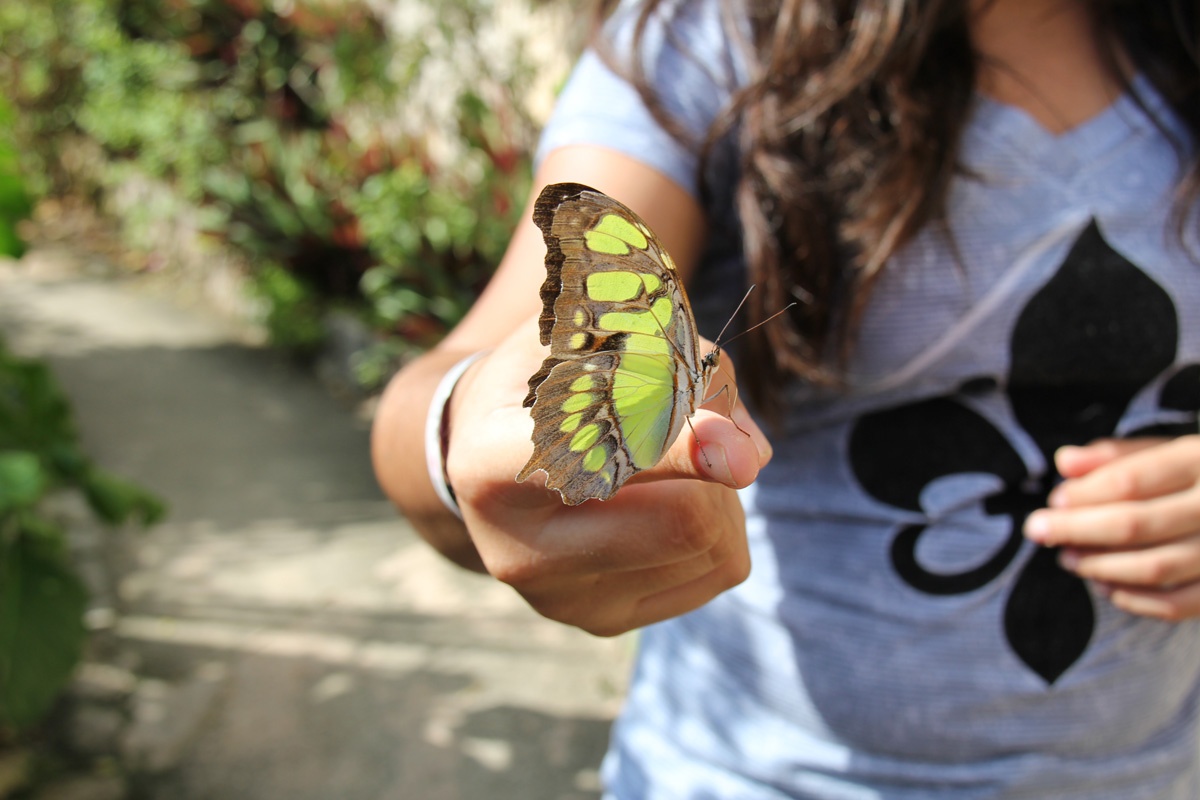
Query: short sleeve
column 688, row 61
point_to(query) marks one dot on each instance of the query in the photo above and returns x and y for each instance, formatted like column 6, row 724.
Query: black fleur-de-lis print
column 1086, row 344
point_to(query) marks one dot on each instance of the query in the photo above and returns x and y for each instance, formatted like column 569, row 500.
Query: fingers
column 643, row 526
column 652, row 552
column 1125, row 524
column 1074, row 461
column 609, row 603
column 1125, row 470
column 1160, row 581
column 1169, row 605
column 693, row 594
column 1128, row 519
column 1129, row 494
column 1170, row 565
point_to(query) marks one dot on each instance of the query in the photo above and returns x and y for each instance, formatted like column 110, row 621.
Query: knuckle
column 690, row 533
column 583, row 614
column 1109, row 448
column 556, row 610
column 731, row 563
column 737, row 571
column 1158, row 571
column 1172, row 611
column 1128, row 529
column 1125, row 484
column 518, row 573
column 558, row 607
column 606, row 629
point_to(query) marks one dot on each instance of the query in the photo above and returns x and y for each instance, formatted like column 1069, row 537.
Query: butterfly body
column 624, row 370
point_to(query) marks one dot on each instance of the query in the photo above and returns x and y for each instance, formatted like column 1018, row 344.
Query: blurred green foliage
column 42, row 600
column 15, row 204
column 377, row 166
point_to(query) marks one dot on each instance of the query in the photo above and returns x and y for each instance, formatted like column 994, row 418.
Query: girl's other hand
column 1128, row 518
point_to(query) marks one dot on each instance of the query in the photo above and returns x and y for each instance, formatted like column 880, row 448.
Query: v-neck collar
column 1012, row 128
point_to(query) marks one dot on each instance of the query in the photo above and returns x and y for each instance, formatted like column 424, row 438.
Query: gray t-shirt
column 897, row 637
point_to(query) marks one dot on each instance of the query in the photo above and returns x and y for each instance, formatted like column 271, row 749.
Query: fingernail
column 1037, row 527
column 716, row 463
column 765, row 451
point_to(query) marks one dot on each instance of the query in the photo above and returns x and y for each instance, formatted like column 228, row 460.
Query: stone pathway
column 284, row 634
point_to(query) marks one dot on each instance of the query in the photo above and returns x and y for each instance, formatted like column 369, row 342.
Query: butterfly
column 624, row 370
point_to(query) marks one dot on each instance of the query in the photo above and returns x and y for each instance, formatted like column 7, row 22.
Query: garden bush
column 371, row 157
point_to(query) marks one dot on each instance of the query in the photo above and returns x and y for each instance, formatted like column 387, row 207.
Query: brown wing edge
column 536, row 380
column 544, row 208
column 548, row 202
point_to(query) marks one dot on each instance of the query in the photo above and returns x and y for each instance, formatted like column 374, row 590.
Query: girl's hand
column 1128, row 518
column 659, row 548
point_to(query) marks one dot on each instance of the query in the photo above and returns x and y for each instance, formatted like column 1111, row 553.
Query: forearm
column 398, row 454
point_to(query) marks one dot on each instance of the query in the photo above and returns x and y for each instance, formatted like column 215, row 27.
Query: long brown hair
column 848, row 137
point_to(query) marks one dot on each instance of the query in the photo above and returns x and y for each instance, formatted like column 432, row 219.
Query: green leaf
column 34, row 414
column 41, row 627
column 22, row 480
column 15, row 203
column 11, row 244
column 116, row 501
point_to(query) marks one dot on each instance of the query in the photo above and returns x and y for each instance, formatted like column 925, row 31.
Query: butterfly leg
column 696, row 436
column 732, row 394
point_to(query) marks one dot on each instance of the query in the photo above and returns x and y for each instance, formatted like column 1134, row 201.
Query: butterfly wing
column 623, row 371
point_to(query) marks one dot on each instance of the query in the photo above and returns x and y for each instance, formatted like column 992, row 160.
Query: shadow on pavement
column 320, row 748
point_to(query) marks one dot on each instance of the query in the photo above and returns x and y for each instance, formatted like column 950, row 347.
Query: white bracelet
column 437, row 431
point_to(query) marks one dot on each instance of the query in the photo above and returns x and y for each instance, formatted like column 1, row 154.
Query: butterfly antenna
column 733, row 316
column 758, row 325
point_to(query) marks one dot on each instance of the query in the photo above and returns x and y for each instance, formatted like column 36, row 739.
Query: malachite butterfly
column 624, row 370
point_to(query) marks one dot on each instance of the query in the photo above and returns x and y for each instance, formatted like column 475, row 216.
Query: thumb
column 715, row 448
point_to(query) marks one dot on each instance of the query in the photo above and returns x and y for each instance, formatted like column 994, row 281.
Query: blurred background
column 223, row 225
